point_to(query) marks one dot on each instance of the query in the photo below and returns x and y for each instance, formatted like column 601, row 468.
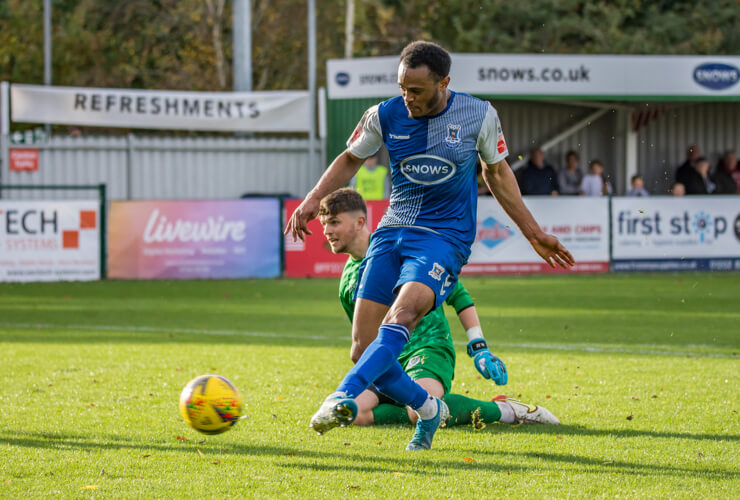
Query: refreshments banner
column 282, row 110
column 581, row 224
column 194, row 239
column 49, row 241
column 676, row 234
column 313, row 257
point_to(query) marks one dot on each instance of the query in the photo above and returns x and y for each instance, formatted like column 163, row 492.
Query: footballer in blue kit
column 434, row 137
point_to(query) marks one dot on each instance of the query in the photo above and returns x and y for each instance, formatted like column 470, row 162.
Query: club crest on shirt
column 453, row 135
column 415, row 361
column 437, row 272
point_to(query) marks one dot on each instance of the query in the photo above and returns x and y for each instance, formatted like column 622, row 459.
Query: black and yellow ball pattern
column 210, row 404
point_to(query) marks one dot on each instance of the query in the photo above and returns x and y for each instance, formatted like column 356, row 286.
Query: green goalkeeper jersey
column 433, row 329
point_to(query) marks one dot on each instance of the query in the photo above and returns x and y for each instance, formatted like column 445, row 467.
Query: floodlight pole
column 349, row 28
column 312, row 85
column 242, row 27
column 47, row 51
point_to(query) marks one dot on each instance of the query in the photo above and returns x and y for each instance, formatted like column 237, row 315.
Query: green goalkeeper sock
column 464, row 410
column 386, row 414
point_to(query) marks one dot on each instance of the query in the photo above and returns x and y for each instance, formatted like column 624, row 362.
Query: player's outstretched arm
column 339, row 173
column 502, row 183
column 489, row 366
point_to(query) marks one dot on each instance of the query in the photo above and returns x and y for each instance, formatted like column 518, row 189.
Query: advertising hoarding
column 194, row 239
column 49, row 241
column 689, row 233
column 313, row 257
column 581, row 224
column 599, row 76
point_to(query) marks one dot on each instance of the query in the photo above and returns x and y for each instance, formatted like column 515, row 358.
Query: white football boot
column 525, row 413
column 337, row 410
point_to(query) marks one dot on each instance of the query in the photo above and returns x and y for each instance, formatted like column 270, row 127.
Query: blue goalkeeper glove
column 488, row 365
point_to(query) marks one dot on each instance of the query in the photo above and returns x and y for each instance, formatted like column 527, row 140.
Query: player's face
column 422, row 92
column 341, row 230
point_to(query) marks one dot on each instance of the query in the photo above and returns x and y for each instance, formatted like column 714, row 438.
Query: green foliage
column 92, row 373
column 185, row 44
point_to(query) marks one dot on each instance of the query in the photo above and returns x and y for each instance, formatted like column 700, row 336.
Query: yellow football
column 210, row 404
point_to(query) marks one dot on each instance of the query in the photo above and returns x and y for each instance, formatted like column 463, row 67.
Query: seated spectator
column 570, row 176
column 593, row 182
column 698, row 182
column 678, row 189
column 638, row 186
column 727, row 174
column 684, row 171
column 538, row 177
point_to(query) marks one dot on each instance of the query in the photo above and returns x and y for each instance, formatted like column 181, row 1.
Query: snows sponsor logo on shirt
column 427, row 169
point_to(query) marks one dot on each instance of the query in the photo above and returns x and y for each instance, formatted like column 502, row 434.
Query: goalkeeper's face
column 342, row 230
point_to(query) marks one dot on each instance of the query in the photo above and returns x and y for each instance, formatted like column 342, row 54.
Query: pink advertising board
column 194, row 239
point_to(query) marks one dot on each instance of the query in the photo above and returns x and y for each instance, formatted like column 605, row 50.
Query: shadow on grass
column 576, row 430
column 364, row 462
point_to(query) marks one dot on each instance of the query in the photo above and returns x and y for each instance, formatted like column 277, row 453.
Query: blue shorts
column 398, row 255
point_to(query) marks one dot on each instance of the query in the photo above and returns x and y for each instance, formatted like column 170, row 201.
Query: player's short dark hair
column 429, row 54
column 635, row 177
column 570, row 153
column 341, row 201
column 595, row 162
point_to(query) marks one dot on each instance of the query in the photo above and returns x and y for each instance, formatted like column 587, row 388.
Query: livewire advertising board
column 49, row 241
column 689, row 233
column 194, row 239
column 313, row 257
column 581, row 224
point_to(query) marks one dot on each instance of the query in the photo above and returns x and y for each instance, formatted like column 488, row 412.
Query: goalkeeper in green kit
column 429, row 356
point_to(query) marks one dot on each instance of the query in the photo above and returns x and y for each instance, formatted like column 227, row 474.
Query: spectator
column 685, row 170
column 698, row 181
column 371, row 181
column 593, row 183
column 727, row 175
column 638, row 186
column 538, row 177
column 570, row 176
column 678, row 189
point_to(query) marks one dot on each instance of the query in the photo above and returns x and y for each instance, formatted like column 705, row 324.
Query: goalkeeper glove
column 488, row 365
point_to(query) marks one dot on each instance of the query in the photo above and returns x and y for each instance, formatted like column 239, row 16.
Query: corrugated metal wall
column 714, row 127
column 170, row 167
column 527, row 124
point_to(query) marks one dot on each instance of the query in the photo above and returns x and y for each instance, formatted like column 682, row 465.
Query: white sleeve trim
column 491, row 142
column 367, row 136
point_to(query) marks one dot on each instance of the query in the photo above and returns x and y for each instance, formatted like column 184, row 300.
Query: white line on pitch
column 275, row 335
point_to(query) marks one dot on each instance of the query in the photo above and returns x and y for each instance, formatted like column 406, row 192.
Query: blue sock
column 397, row 385
column 379, row 356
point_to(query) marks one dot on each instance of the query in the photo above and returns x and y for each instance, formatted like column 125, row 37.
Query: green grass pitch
column 643, row 370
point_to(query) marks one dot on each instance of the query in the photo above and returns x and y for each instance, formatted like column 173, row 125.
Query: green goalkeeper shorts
column 430, row 362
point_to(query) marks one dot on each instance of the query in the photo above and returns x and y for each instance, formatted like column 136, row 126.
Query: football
column 210, row 404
